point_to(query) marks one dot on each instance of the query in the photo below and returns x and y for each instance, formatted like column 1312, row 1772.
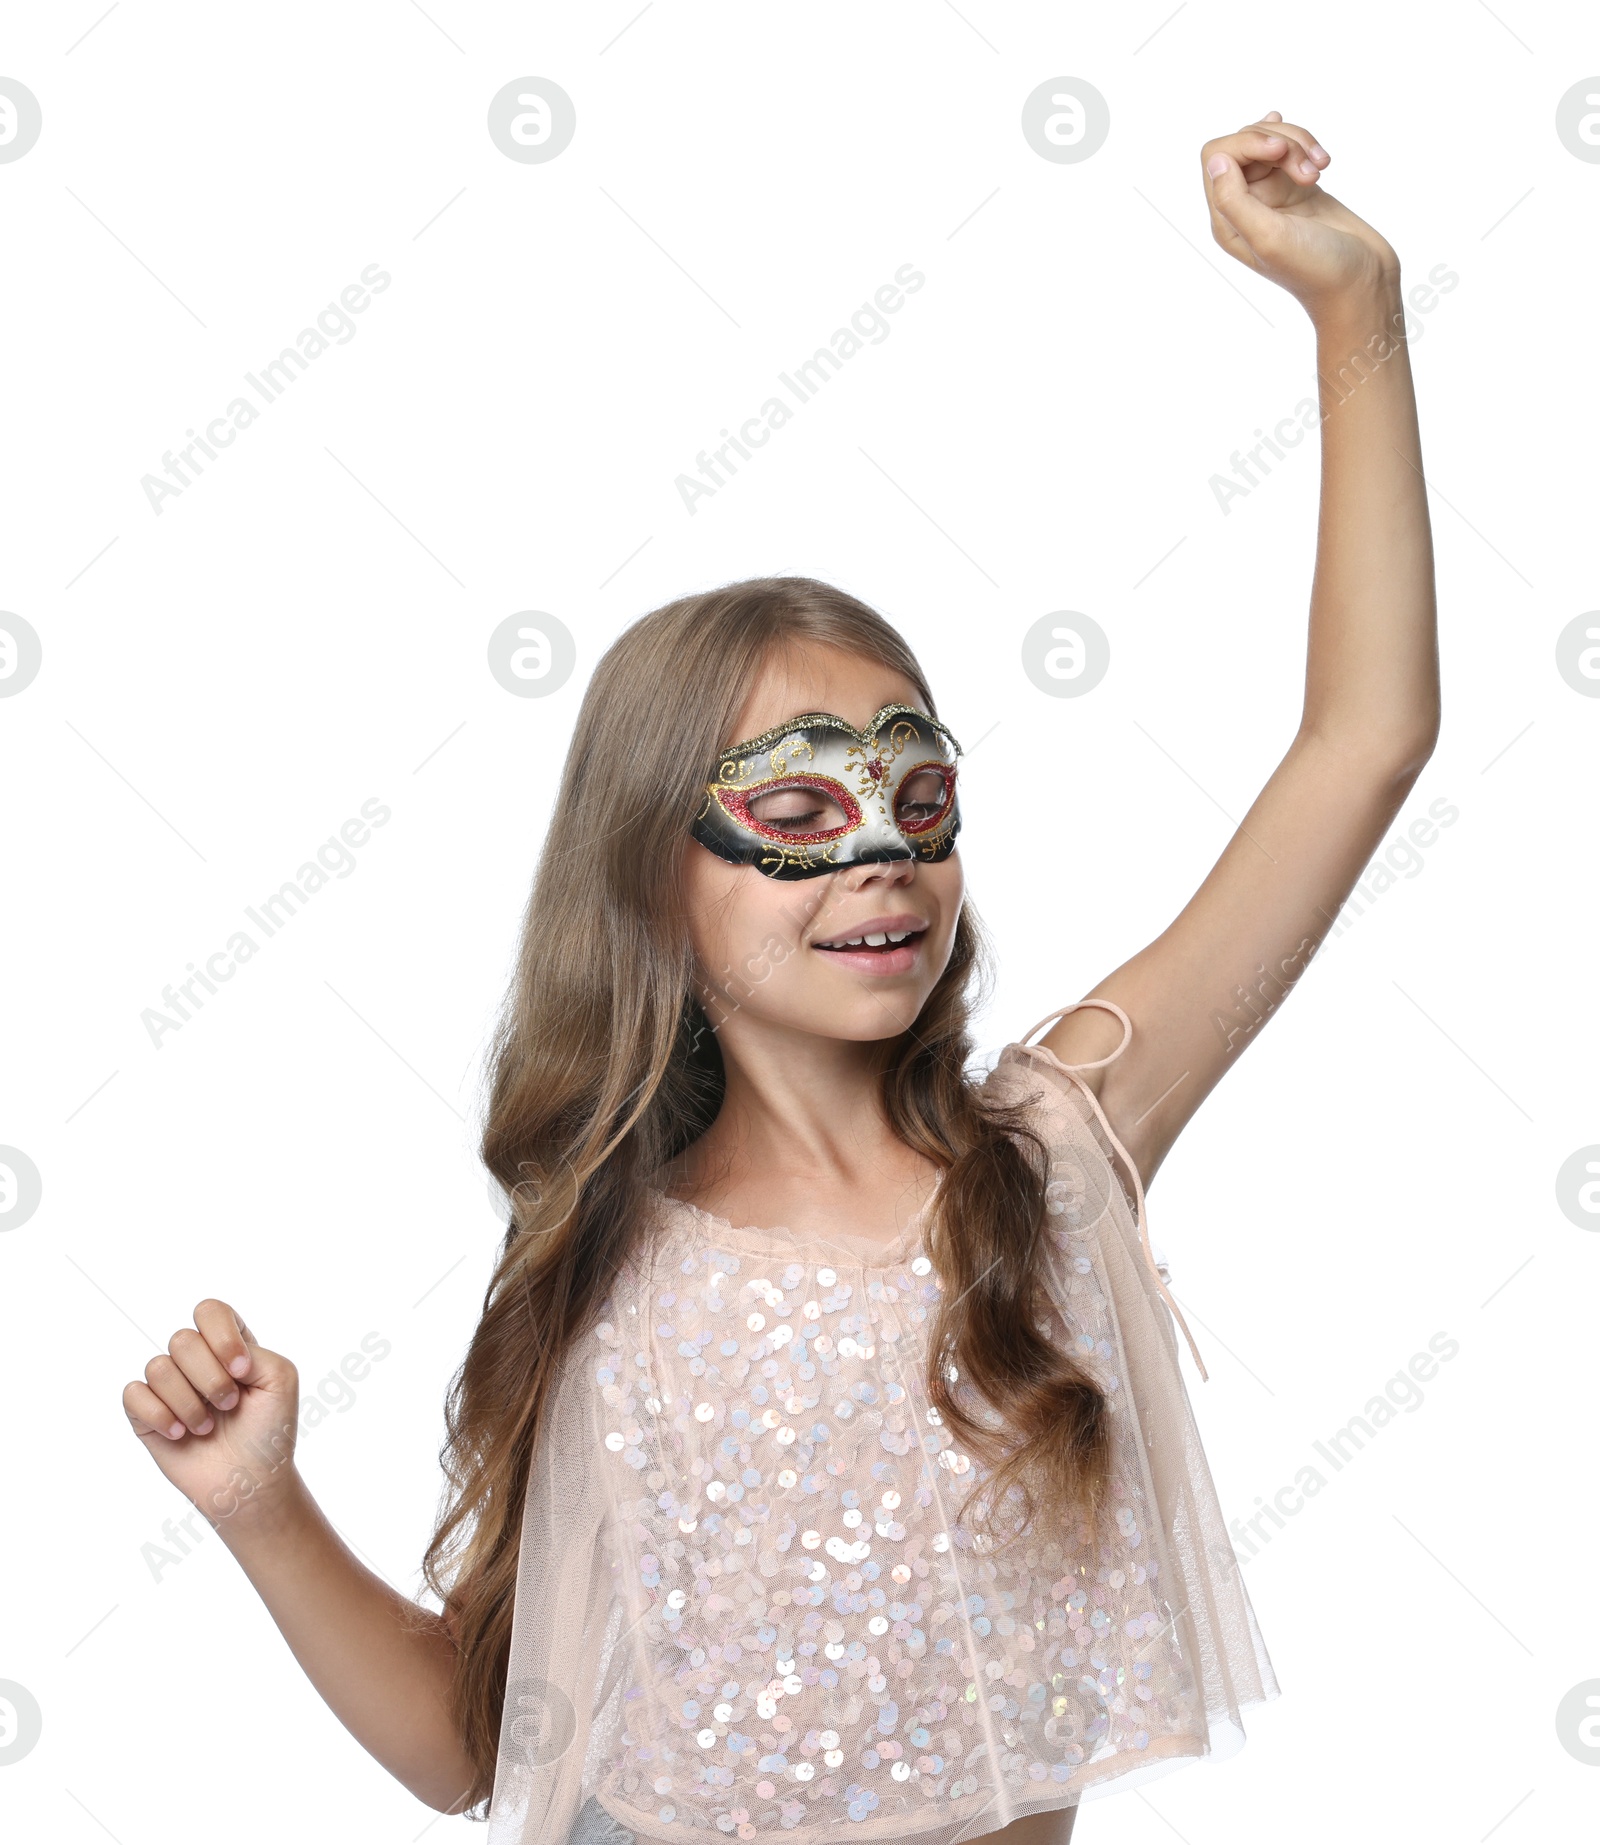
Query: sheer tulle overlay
column 745, row 1605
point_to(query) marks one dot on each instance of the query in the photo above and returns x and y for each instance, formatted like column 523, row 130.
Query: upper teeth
column 871, row 941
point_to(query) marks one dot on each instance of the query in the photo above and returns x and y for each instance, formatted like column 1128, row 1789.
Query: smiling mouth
column 876, row 942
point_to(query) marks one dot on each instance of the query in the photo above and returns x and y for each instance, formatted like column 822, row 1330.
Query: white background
column 305, row 628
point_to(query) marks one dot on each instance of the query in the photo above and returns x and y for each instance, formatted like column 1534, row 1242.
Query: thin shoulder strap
column 1072, row 1069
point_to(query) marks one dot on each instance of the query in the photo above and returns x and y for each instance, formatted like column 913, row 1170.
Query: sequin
column 793, row 1584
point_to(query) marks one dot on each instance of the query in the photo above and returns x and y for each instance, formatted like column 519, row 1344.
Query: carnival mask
column 815, row 794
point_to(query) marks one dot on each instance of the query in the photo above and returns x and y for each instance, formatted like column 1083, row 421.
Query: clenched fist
column 218, row 1413
column 1269, row 211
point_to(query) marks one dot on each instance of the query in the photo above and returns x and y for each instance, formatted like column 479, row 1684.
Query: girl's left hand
column 1268, row 210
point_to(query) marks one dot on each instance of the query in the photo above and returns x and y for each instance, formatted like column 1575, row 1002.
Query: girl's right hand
column 218, row 1413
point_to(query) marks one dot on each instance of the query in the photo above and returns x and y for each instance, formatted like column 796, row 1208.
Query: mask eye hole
column 924, row 798
column 801, row 807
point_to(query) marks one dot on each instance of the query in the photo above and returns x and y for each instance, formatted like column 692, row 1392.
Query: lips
column 879, row 945
column 879, row 934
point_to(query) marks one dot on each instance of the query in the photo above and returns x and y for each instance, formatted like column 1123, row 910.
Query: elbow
column 1405, row 762
column 1390, row 760
column 451, row 1796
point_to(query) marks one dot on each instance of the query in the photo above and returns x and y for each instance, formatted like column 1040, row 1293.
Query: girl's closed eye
column 797, row 810
column 922, row 799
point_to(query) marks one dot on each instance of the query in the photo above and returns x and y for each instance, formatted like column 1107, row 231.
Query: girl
column 821, row 1464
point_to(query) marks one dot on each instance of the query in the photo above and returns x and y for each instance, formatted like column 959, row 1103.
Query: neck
column 796, row 1104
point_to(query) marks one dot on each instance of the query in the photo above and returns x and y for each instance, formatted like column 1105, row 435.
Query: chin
column 870, row 1018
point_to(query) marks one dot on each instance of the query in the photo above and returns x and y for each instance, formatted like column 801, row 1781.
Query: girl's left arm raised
column 1197, row 994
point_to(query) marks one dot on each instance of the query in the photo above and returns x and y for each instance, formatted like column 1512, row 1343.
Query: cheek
column 948, row 884
column 710, row 891
column 766, row 918
column 741, row 922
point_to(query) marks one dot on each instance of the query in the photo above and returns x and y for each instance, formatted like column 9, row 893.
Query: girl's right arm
column 218, row 1413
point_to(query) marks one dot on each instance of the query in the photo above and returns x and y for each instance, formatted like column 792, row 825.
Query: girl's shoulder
column 1094, row 1181
column 1059, row 1108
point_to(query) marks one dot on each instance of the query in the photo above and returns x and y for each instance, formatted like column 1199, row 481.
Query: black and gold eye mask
column 815, row 794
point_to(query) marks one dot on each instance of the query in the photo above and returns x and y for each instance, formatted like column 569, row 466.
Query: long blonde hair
column 603, row 1068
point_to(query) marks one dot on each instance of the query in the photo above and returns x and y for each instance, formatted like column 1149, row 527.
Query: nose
column 888, row 872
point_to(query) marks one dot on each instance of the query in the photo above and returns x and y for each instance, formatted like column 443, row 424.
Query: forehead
column 813, row 678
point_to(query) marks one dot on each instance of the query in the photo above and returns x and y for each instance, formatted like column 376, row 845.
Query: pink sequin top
column 744, row 1603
